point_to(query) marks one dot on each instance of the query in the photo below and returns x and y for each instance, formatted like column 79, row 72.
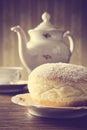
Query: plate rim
column 43, row 107
column 21, row 82
column 61, row 112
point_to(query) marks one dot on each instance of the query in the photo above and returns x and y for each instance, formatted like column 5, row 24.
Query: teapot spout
column 20, row 33
column 22, row 40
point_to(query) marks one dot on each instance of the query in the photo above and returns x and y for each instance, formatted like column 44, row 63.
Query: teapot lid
column 45, row 24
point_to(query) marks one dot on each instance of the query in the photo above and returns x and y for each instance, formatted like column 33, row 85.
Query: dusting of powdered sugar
column 61, row 71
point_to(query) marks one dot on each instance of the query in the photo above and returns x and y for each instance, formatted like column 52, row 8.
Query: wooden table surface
column 16, row 117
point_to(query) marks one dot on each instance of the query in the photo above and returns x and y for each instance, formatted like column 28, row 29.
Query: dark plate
column 13, row 87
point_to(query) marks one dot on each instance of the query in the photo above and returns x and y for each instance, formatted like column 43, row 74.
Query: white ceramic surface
column 47, row 44
column 10, row 74
column 49, row 112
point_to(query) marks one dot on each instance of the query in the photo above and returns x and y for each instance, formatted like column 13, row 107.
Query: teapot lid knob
column 45, row 24
column 45, row 17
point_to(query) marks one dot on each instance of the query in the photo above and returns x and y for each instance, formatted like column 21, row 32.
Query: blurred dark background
column 65, row 14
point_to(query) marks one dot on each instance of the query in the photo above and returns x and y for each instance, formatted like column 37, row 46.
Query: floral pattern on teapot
column 46, row 44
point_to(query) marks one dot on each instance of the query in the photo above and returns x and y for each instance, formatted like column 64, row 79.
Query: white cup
column 10, row 74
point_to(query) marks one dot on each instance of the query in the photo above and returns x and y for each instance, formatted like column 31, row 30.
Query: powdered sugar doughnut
column 59, row 85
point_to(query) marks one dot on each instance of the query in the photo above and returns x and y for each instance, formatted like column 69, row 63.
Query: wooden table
column 15, row 117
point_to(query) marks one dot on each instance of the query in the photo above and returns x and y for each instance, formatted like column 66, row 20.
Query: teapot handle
column 68, row 35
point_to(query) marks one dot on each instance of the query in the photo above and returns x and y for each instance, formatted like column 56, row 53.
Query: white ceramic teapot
column 46, row 44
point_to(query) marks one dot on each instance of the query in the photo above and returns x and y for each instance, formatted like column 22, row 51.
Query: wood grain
column 15, row 117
